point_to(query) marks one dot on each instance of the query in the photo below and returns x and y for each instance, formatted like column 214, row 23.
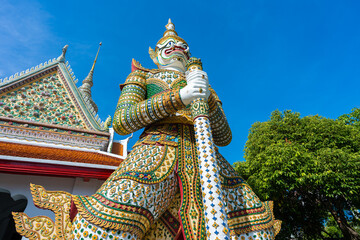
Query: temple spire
column 87, row 83
column 97, row 54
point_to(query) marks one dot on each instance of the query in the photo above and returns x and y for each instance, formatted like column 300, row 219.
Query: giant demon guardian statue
column 174, row 184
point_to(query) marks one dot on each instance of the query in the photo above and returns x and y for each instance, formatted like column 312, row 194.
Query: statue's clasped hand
column 197, row 86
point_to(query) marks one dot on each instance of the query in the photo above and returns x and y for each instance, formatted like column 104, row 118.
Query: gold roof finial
column 87, row 83
column 61, row 58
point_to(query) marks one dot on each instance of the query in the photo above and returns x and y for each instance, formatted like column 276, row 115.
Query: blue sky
column 259, row 55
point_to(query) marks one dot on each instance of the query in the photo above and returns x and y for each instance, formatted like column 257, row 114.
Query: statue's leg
column 135, row 206
column 265, row 234
column 84, row 230
column 248, row 217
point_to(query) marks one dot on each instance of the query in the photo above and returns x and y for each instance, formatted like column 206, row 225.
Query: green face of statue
column 172, row 52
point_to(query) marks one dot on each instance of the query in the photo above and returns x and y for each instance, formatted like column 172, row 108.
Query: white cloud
column 23, row 32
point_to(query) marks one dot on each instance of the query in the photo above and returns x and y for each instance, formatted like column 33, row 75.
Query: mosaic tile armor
column 162, row 168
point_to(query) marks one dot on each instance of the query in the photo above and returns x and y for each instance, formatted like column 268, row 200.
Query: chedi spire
column 87, row 83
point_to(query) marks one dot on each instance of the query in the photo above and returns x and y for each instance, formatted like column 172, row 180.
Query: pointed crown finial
column 170, row 29
column 170, row 33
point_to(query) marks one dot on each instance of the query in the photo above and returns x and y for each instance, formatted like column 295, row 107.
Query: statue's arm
column 219, row 125
column 134, row 111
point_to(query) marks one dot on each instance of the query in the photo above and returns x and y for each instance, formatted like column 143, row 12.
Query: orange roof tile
column 50, row 153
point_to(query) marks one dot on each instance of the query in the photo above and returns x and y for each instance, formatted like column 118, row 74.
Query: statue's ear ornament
column 152, row 53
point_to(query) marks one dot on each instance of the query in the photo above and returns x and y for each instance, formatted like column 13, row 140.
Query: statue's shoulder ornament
column 137, row 76
column 136, row 66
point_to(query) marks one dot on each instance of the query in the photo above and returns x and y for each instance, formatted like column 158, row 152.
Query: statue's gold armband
column 134, row 111
column 219, row 125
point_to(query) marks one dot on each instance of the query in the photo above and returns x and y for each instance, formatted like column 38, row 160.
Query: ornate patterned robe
column 155, row 193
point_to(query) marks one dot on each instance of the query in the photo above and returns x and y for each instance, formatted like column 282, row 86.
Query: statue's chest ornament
column 167, row 80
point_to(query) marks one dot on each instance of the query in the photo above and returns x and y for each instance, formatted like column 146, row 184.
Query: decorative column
column 214, row 208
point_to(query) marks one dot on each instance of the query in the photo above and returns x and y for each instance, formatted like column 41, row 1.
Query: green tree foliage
column 332, row 229
column 309, row 167
column 352, row 118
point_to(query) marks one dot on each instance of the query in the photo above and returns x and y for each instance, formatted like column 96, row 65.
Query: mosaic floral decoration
column 43, row 100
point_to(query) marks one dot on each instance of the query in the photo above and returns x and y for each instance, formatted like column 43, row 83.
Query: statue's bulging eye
column 170, row 44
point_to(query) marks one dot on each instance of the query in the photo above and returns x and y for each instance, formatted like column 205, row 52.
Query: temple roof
column 21, row 150
column 44, row 104
column 49, row 126
column 31, row 157
column 48, row 93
